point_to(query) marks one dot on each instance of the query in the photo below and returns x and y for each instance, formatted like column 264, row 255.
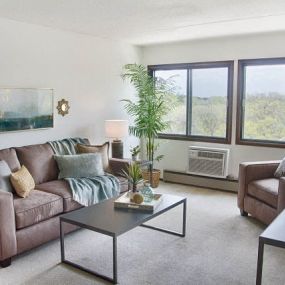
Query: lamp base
column 117, row 149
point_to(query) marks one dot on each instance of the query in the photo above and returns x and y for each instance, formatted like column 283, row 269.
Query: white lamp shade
column 116, row 128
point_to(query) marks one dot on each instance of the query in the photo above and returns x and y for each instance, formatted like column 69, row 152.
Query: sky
column 205, row 82
column 213, row 81
column 264, row 79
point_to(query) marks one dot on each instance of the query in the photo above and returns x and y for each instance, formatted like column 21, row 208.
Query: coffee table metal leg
column 61, row 241
column 172, row 232
column 184, row 218
column 259, row 262
column 114, row 280
column 115, row 268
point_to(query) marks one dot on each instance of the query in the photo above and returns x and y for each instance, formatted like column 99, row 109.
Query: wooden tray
column 124, row 202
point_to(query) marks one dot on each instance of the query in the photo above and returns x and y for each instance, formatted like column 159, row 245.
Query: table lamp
column 117, row 129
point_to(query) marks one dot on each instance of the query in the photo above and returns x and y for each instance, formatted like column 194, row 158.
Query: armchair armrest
column 8, row 242
column 250, row 171
column 117, row 165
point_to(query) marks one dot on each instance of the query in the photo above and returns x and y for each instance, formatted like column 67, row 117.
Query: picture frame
column 26, row 109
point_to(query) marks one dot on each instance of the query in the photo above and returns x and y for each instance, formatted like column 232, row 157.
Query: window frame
column 200, row 65
column 242, row 63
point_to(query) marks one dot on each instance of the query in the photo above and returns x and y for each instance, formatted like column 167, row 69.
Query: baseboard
column 200, row 181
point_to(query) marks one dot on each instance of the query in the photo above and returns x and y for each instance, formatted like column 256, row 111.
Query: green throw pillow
column 79, row 165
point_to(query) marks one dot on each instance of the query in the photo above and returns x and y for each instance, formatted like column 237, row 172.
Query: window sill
column 194, row 138
column 260, row 143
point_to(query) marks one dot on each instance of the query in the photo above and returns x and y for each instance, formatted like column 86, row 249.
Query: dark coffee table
column 105, row 219
column 273, row 235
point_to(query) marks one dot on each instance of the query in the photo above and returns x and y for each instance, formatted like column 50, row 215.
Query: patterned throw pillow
column 280, row 171
column 79, row 165
column 22, row 181
column 102, row 149
column 5, row 172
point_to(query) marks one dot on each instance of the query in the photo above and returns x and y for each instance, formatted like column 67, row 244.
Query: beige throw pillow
column 102, row 149
column 22, row 181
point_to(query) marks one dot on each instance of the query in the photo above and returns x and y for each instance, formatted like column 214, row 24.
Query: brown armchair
column 260, row 193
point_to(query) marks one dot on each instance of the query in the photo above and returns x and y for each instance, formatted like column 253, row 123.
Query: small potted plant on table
column 134, row 176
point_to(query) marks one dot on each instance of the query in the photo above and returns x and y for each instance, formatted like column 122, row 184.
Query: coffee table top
column 106, row 219
column 274, row 234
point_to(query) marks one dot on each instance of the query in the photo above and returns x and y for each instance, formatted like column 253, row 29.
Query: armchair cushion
column 265, row 190
column 39, row 206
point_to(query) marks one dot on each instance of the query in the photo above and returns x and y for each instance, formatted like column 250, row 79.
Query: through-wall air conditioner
column 207, row 161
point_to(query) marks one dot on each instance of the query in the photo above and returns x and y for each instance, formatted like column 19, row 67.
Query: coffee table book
column 124, row 202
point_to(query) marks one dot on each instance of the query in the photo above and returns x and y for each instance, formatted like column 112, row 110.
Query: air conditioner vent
column 211, row 162
column 209, row 154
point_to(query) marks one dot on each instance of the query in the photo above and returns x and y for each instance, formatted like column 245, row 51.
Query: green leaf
column 150, row 108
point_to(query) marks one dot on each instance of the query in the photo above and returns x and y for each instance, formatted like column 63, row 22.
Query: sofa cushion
column 9, row 155
column 60, row 188
column 39, row 161
column 39, row 206
column 5, row 172
column 265, row 190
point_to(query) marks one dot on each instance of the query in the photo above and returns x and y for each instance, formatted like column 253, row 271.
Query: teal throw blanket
column 66, row 146
column 86, row 191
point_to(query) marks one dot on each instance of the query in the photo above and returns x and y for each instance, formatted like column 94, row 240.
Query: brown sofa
column 26, row 223
column 260, row 193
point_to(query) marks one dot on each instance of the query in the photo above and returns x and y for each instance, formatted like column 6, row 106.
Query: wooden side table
column 273, row 235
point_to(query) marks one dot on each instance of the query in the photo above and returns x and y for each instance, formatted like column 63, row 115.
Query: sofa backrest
column 39, row 161
column 10, row 156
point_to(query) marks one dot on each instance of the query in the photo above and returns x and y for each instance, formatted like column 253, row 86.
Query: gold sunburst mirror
column 63, row 107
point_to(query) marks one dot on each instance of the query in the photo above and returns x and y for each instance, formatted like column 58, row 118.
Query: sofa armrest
column 250, row 171
column 117, row 165
column 281, row 195
column 8, row 242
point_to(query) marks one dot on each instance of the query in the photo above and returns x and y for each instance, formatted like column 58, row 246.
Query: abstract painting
column 25, row 109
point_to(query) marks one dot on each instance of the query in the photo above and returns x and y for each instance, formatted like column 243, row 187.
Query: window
column 261, row 102
column 201, row 101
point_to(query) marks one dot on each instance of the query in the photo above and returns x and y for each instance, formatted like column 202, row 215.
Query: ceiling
column 145, row 22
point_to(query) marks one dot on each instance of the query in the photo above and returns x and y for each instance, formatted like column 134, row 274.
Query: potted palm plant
column 135, row 152
column 148, row 112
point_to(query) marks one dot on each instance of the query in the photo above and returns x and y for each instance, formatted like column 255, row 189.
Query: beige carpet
column 220, row 248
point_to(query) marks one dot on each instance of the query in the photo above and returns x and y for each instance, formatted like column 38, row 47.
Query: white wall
column 230, row 48
column 81, row 69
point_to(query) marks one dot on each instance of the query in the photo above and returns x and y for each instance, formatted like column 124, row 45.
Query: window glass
column 176, row 117
column 209, row 102
column 264, row 103
column 200, row 102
